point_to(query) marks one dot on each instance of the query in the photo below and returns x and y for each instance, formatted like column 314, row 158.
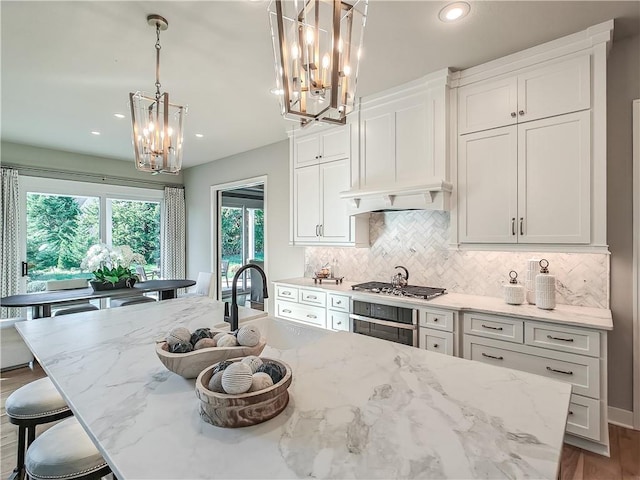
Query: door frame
column 216, row 242
column 636, row 264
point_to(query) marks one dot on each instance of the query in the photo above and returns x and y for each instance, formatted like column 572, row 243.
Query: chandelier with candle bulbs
column 157, row 123
column 317, row 47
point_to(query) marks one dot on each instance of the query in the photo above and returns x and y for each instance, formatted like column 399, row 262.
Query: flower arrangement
column 111, row 265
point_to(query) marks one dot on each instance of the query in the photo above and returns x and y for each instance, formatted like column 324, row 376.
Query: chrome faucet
column 232, row 318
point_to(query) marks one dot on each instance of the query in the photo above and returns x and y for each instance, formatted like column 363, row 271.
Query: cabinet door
column 306, row 150
column 554, row 89
column 378, row 149
column 334, row 178
column 487, row 183
column 335, row 144
column 306, row 207
column 488, row 104
column 554, row 172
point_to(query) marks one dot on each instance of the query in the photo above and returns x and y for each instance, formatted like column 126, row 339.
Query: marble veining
column 419, row 240
column 359, row 407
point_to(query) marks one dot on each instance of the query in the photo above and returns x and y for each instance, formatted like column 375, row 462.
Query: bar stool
column 33, row 404
column 65, row 452
column 123, row 302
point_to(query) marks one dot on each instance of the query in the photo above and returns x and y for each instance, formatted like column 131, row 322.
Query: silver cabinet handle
column 491, row 356
column 338, row 302
column 521, row 112
column 559, row 371
column 311, row 316
column 490, row 327
column 558, row 338
column 513, row 225
column 435, row 345
column 286, row 310
column 317, row 230
column 513, row 114
column 435, row 319
column 286, row 293
column 521, row 228
column 339, row 323
column 312, row 297
column 321, row 230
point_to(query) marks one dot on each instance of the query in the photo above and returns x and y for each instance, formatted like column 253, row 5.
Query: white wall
column 272, row 161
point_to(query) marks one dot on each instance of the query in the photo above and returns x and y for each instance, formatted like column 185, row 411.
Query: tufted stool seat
column 123, row 302
column 64, row 452
column 33, row 404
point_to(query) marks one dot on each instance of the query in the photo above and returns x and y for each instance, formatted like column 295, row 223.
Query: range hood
column 434, row 194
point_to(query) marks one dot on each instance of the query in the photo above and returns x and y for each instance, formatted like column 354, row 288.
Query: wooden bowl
column 189, row 365
column 251, row 408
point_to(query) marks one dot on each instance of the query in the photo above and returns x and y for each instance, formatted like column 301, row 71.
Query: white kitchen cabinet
column 324, row 146
column 527, row 183
column 570, row 354
column 554, row 88
column 437, row 330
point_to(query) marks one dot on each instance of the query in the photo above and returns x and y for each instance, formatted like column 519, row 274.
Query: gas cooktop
column 411, row 291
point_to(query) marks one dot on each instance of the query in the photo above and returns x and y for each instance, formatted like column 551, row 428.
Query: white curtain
column 9, row 239
column 172, row 228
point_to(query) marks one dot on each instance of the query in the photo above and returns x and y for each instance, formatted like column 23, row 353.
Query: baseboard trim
column 621, row 417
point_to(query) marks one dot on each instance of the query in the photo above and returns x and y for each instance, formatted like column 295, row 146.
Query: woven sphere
column 260, row 381
column 178, row 335
column 249, row 336
column 273, row 370
column 204, row 343
column 217, row 336
column 199, row 334
column 227, row 341
column 182, row 347
column 236, row 378
column 221, row 366
column 253, row 361
column 215, row 384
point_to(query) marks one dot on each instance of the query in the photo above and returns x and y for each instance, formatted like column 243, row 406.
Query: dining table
column 41, row 302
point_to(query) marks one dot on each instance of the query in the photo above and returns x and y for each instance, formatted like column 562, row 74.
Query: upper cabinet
column 555, row 88
column 531, row 150
column 326, row 146
column 404, row 148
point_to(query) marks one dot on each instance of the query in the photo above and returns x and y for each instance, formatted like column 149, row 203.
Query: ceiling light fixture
column 317, row 47
column 157, row 124
column 454, row 11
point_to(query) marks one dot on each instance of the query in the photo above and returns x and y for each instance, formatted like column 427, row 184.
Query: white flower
column 101, row 255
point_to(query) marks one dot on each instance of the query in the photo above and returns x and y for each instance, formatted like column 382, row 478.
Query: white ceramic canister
column 533, row 266
column 545, row 287
column 513, row 292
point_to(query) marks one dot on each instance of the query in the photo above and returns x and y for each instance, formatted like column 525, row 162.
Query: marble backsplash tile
column 419, row 240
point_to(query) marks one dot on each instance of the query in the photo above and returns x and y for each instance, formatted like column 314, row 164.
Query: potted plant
column 111, row 266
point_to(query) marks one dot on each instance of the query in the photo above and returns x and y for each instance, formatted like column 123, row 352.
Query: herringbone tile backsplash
column 419, row 240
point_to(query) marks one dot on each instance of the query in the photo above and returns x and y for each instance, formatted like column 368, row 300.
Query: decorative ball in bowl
column 188, row 354
column 262, row 402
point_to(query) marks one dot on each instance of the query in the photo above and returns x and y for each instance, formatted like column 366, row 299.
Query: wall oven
column 387, row 322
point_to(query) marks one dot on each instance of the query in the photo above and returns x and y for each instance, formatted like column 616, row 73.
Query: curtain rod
column 88, row 177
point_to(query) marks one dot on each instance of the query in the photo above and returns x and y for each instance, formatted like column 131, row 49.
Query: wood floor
column 577, row 464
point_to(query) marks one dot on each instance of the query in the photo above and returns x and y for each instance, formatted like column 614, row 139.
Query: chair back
column 142, row 275
column 224, row 267
column 203, row 283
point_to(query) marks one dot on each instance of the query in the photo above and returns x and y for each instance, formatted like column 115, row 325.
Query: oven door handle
column 387, row 323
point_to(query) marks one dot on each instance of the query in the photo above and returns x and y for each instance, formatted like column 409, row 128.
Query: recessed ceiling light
column 118, row 115
column 95, row 133
column 454, row 11
column 277, row 91
column 199, row 135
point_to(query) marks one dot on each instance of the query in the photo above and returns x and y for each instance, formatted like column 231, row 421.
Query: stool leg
column 18, row 472
column 31, row 435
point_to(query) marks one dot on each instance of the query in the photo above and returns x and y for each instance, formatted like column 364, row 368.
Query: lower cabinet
column 569, row 354
column 313, row 306
column 436, row 330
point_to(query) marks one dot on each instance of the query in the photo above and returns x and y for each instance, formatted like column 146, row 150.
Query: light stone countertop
column 599, row 318
column 359, row 407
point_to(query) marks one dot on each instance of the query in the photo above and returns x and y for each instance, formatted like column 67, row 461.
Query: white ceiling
column 67, row 67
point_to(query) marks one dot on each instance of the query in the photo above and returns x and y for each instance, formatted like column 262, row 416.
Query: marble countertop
column 359, row 407
column 599, row 318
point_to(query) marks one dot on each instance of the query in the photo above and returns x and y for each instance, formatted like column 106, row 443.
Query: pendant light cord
column 158, row 47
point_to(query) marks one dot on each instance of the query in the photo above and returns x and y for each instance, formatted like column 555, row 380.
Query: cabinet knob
column 521, row 112
column 339, row 323
column 435, row 319
column 338, row 302
column 513, row 114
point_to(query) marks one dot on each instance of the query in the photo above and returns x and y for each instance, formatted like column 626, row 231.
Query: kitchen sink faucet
column 232, row 318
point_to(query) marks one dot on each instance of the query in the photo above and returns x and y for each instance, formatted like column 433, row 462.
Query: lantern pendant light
column 157, row 123
column 317, row 47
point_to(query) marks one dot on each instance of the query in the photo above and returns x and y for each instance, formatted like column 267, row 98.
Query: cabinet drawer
column 339, row 302
column 313, row 297
column 338, row 320
column 582, row 372
column 584, row 417
column 436, row 341
column 287, row 293
column 439, row 319
column 302, row 313
column 504, row 328
column 564, row 339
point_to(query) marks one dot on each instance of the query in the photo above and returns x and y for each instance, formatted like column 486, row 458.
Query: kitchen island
column 359, row 407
